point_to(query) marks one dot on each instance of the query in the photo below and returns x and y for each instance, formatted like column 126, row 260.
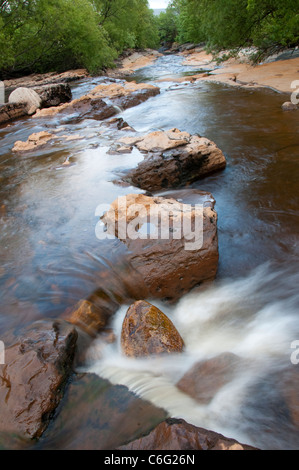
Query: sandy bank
column 137, row 60
column 278, row 75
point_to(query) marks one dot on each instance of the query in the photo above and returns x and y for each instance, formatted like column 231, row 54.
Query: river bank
column 277, row 74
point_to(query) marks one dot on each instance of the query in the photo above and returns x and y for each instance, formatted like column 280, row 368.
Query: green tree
column 274, row 22
column 44, row 35
column 229, row 24
column 129, row 23
column 47, row 35
column 168, row 24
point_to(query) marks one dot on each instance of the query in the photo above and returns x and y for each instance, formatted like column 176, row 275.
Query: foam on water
column 251, row 318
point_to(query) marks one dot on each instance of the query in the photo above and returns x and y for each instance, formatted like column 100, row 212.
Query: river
column 51, row 257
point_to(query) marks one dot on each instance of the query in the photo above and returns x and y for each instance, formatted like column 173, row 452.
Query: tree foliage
column 129, row 23
column 44, row 35
column 228, row 24
column 168, row 25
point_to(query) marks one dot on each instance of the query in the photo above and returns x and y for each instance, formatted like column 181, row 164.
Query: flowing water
column 51, row 258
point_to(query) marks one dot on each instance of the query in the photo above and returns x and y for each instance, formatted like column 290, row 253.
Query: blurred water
column 51, row 258
column 254, row 318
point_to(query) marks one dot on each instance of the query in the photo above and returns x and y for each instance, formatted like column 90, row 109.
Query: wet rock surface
column 91, row 105
column 96, row 415
column 34, row 141
column 177, row 434
column 206, row 378
column 126, row 94
column 27, row 96
column 170, row 267
column 289, row 106
column 38, row 364
column 26, row 101
column 90, row 316
column 54, row 94
column 172, row 159
column 121, row 94
column 148, row 331
column 10, row 112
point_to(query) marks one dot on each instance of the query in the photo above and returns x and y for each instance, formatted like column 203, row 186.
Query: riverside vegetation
column 46, row 35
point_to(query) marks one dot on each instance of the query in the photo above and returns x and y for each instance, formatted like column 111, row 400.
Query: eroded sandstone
column 38, row 363
column 172, row 159
column 174, row 263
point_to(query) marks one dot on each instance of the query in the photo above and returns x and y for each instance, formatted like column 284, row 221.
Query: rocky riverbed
column 159, row 173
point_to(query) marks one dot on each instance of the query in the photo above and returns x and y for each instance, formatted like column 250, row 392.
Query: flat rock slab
column 206, row 378
column 38, row 363
column 37, row 80
column 104, row 99
column 11, row 111
column 89, row 104
column 172, row 159
column 34, row 141
column 126, row 94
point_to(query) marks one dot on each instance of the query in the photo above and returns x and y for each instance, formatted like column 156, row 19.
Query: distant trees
column 229, row 24
column 129, row 23
column 168, row 24
column 44, row 35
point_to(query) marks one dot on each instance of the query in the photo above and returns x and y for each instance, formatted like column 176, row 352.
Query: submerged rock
column 38, row 363
column 170, row 258
column 148, row 331
column 172, row 159
column 177, row 434
column 206, row 378
column 96, row 415
column 271, row 402
column 289, row 106
column 38, row 80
